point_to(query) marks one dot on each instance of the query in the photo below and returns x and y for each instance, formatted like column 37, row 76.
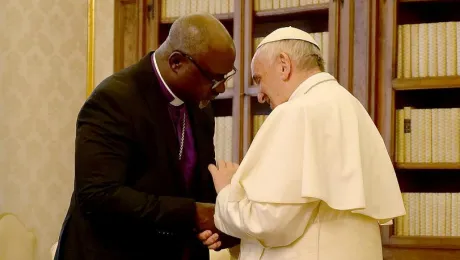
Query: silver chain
column 182, row 139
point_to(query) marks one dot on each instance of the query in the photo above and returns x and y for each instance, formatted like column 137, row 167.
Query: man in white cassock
column 317, row 181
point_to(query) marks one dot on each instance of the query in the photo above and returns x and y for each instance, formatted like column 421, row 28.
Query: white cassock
column 316, row 182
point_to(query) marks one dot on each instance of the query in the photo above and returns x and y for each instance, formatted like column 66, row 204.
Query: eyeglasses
column 215, row 82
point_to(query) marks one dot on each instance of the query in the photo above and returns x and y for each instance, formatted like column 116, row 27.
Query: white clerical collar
column 310, row 82
column 176, row 101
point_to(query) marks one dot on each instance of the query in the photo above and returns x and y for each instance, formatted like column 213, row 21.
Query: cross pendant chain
column 182, row 139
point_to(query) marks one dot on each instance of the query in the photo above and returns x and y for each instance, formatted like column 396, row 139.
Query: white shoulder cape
column 320, row 145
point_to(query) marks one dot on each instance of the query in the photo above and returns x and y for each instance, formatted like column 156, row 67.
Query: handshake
column 209, row 235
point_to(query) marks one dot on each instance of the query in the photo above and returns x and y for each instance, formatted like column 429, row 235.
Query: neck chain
column 182, row 139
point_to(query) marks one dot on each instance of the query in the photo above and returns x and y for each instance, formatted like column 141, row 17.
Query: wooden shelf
column 300, row 10
column 427, row 11
column 424, row 242
column 429, row 1
column 228, row 94
column 428, row 166
column 427, row 83
column 222, row 17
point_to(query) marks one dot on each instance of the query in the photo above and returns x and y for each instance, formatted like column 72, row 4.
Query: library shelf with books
column 418, row 80
column 318, row 17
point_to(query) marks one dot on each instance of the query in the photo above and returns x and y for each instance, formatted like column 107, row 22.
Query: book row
column 427, row 135
column 428, row 50
column 176, row 8
column 261, row 5
column 429, row 214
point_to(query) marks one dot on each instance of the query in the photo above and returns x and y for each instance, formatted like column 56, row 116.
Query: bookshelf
column 362, row 53
column 418, row 82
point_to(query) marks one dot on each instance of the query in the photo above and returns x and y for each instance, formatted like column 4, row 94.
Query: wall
column 104, row 37
column 42, row 87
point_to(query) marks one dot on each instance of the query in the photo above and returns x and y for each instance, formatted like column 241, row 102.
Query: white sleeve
column 273, row 225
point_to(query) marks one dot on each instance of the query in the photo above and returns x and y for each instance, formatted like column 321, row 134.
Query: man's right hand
column 205, row 217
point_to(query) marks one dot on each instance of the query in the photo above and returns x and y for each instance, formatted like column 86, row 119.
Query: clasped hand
column 222, row 174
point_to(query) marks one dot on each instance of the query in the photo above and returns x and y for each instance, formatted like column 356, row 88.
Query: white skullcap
column 288, row 33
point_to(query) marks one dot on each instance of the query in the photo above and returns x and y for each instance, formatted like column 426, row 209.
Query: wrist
column 221, row 188
column 196, row 227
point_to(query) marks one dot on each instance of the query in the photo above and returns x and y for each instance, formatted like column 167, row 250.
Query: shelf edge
column 220, row 17
column 426, row 83
column 427, row 166
column 312, row 8
column 424, row 242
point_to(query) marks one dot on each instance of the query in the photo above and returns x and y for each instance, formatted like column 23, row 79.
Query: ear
column 176, row 61
column 285, row 66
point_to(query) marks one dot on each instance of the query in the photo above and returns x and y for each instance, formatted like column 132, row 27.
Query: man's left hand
column 210, row 240
column 222, row 173
column 218, row 240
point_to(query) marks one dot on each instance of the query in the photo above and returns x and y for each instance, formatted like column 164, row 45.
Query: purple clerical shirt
column 177, row 112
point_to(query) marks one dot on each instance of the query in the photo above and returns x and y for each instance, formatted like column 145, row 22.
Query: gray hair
column 304, row 55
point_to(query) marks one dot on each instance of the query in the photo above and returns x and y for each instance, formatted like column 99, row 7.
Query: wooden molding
column 238, row 17
column 333, row 31
column 428, row 166
column 424, row 242
column 300, row 10
column 346, row 40
column 427, row 83
column 90, row 48
column 431, row 1
column 385, row 58
column 221, row 17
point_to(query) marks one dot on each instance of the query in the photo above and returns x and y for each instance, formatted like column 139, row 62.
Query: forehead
column 218, row 61
column 258, row 63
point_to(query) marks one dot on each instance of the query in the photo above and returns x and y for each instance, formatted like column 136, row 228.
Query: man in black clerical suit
column 143, row 143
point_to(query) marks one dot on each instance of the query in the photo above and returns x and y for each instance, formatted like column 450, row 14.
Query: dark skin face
column 193, row 76
column 198, row 52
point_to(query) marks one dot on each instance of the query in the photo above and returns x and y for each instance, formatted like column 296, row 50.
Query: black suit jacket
column 129, row 199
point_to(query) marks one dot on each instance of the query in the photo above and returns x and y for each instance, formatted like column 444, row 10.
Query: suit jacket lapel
column 160, row 119
column 202, row 177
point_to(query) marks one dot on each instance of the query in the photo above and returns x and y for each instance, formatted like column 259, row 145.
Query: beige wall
column 42, row 87
column 104, row 22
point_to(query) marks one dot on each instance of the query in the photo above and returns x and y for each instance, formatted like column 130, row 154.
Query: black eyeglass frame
column 214, row 82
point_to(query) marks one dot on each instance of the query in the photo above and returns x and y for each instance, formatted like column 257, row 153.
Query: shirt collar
column 176, row 101
column 310, row 82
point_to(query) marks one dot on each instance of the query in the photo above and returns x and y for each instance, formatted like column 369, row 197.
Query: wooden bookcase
column 398, row 89
column 362, row 55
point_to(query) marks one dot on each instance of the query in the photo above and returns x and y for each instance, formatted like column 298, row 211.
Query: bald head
column 199, row 34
